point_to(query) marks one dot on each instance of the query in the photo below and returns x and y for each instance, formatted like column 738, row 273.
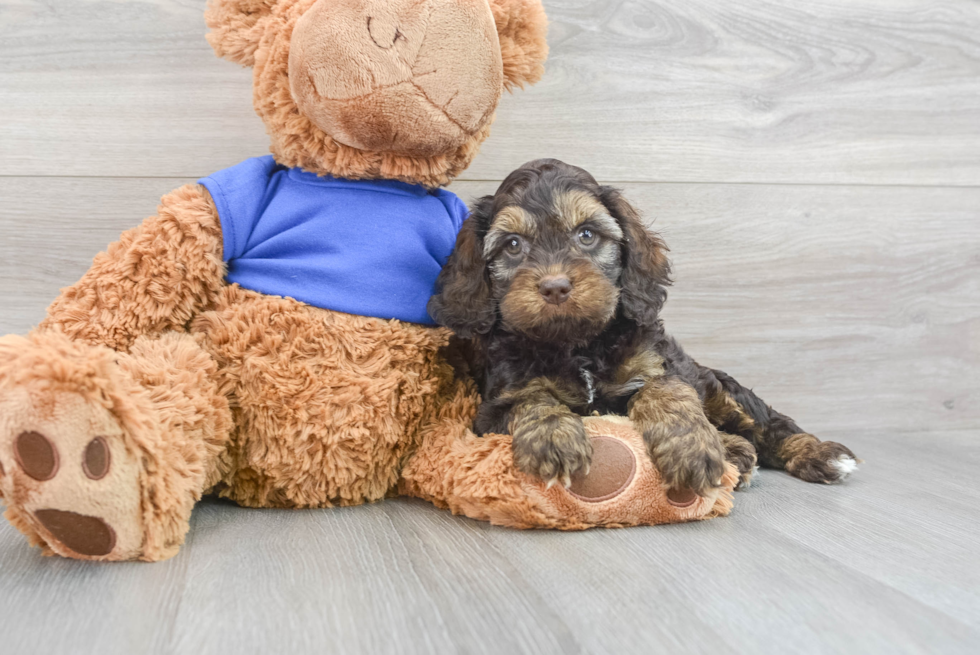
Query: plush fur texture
column 328, row 405
column 161, row 411
column 152, row 381
column 266, row 400
column 436, row 68
column 431, row 149
column 559, row 285
column 155, row 278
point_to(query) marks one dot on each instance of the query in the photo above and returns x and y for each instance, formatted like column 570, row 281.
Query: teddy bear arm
column 157, row 277
column 477, row 477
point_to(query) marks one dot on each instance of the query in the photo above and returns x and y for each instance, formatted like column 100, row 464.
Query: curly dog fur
column 559, row 287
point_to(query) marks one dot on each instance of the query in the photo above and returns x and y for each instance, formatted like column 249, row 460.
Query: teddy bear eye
column 513, row 245
column 587, row 237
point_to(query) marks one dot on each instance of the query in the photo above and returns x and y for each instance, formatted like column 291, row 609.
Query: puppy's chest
column 605, row 385
column 605, row 394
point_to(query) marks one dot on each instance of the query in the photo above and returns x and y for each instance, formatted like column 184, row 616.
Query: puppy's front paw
column 690, row 458
column 742, row 454
column 550, row 443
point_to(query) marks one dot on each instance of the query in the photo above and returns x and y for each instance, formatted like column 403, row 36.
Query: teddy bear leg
column 327, row 404
column 103, row 454
column 477, row 477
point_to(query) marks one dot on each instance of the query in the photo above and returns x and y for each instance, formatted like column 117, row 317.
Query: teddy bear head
column 395, row 89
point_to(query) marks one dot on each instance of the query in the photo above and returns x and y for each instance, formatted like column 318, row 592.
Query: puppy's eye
column 513, row 246
column 587, row 237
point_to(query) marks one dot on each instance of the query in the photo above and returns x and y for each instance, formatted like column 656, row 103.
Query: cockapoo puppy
column 557, row 287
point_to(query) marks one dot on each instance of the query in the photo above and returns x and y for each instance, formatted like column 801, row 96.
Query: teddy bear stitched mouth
column 432, row 69
column 411, row 82
column 398, row 35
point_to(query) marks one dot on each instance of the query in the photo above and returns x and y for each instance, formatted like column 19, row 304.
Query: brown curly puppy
column 559, row 286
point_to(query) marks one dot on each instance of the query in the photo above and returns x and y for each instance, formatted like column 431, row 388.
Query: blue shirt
column 368, row 247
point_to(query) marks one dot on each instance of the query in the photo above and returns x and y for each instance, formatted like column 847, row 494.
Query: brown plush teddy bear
column 264, row 336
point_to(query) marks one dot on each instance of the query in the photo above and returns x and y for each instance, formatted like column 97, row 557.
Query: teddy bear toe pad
column 96, row 459
column 681, row 497
column 613, row 468
column 36, row 456
column 86, row 535
column 68, row 479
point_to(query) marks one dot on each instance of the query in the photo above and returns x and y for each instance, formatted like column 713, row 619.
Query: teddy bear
column 264, row 336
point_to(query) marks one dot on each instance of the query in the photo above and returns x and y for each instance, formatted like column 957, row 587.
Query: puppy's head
column 551, row 255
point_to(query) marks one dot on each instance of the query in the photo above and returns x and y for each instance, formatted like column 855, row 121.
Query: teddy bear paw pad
column 681, row 497
column 86, row 535
column 36, row 456
column 68, row 476
column 613, row 469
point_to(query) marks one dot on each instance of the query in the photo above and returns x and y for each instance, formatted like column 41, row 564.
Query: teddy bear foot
column 621, row 488
column 66, row 476
column 624, row 488
column 102, row 453
column 70, row 476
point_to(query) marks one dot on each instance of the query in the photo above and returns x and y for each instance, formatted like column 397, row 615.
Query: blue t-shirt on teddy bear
column 368, row 247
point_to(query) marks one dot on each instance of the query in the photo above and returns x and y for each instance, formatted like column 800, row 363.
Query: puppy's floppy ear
column 462, row 301
column 522, row 27
column 646, row 270
column 237, row 27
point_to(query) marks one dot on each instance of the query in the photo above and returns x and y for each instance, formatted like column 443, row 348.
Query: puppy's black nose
column 555, row 289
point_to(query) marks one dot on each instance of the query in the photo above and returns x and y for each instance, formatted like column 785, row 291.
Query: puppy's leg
column 740, row 452
column 684, row 445
column 780, row 442
column 549, row 440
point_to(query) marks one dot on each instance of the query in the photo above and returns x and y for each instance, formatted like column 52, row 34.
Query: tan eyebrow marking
column 577, row 207
column 608, row 225
column 509, row 220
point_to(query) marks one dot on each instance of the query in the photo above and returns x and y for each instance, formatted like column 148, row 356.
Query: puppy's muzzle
column 555, row 289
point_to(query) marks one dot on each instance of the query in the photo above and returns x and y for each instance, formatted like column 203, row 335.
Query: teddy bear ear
column 522, row 27
column 236, row 27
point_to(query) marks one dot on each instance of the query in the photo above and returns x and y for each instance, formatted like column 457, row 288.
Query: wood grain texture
column 882, row 564
column 834, row 91
column 845, row 307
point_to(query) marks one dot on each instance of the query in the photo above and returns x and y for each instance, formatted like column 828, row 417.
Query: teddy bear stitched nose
column 415, row 77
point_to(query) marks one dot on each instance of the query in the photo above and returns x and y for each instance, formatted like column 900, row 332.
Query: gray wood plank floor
column 815, row 168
